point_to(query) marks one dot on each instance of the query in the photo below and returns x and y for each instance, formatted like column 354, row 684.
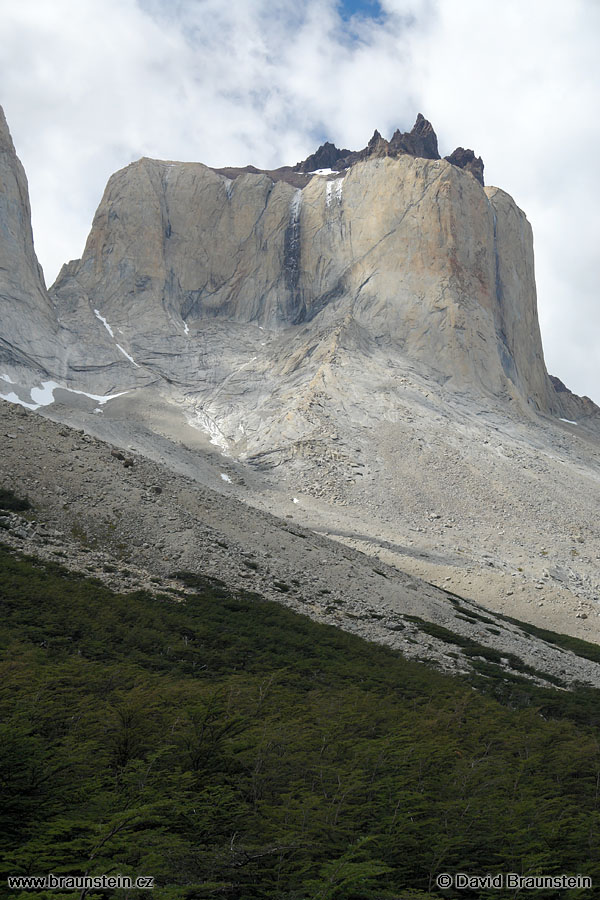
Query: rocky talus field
column 133, row 522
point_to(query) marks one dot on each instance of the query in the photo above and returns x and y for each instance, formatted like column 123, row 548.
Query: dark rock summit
column 466, row 159
column 572, row 406
column 328, row 156
column 420, row 142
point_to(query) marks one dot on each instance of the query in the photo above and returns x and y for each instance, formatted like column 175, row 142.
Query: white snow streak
column 334, row 189
column 186, row 328
column 204, row 422
column 104, row 322
column 226, row 478
column 44, row 395
column 112, row 334
column 12, row 398
column 570, row 421
column 7, row 378
column 324, row 172
column 295, row 206
column 97, row 397
column 130, row 358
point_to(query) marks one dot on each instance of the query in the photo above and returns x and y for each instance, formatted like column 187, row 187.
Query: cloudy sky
column 89, row 85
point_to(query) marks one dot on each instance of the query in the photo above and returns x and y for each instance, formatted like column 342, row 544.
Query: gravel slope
column 132, row 520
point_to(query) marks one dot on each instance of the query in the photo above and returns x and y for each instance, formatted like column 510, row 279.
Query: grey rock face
column 38, row 341
column 28, row 321
column 410, row 254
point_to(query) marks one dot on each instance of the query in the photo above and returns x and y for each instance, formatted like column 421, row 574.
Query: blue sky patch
column 368, row 8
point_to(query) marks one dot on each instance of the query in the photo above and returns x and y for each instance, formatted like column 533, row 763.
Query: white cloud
column 89, row 85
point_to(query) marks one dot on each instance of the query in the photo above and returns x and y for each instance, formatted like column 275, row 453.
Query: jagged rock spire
column 420, row 141
column 466, row 159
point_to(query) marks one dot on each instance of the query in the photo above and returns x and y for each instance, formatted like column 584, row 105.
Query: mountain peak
column 6, row 143
column 420, row 141
column 466, row 159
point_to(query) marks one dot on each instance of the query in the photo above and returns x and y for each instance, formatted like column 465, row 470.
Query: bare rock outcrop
column 420, row 141
column 36, row 343
column 328, row 156
column 466, row 159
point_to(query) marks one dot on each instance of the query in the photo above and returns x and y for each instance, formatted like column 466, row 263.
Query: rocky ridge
column 329, row 160
column 420, row 142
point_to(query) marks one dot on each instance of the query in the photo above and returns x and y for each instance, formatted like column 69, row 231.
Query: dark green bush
column 231, row 747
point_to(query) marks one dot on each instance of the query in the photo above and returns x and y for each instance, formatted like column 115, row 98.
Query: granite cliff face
column 28, row 322
column 191, row 275
column 413, row 255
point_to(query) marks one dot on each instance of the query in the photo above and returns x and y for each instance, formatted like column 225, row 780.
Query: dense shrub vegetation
column 232, row 748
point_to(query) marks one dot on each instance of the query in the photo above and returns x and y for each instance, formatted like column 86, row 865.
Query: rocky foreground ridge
column 357, row 349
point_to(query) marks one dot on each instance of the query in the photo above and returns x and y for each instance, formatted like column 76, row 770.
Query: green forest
column 231, row 748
